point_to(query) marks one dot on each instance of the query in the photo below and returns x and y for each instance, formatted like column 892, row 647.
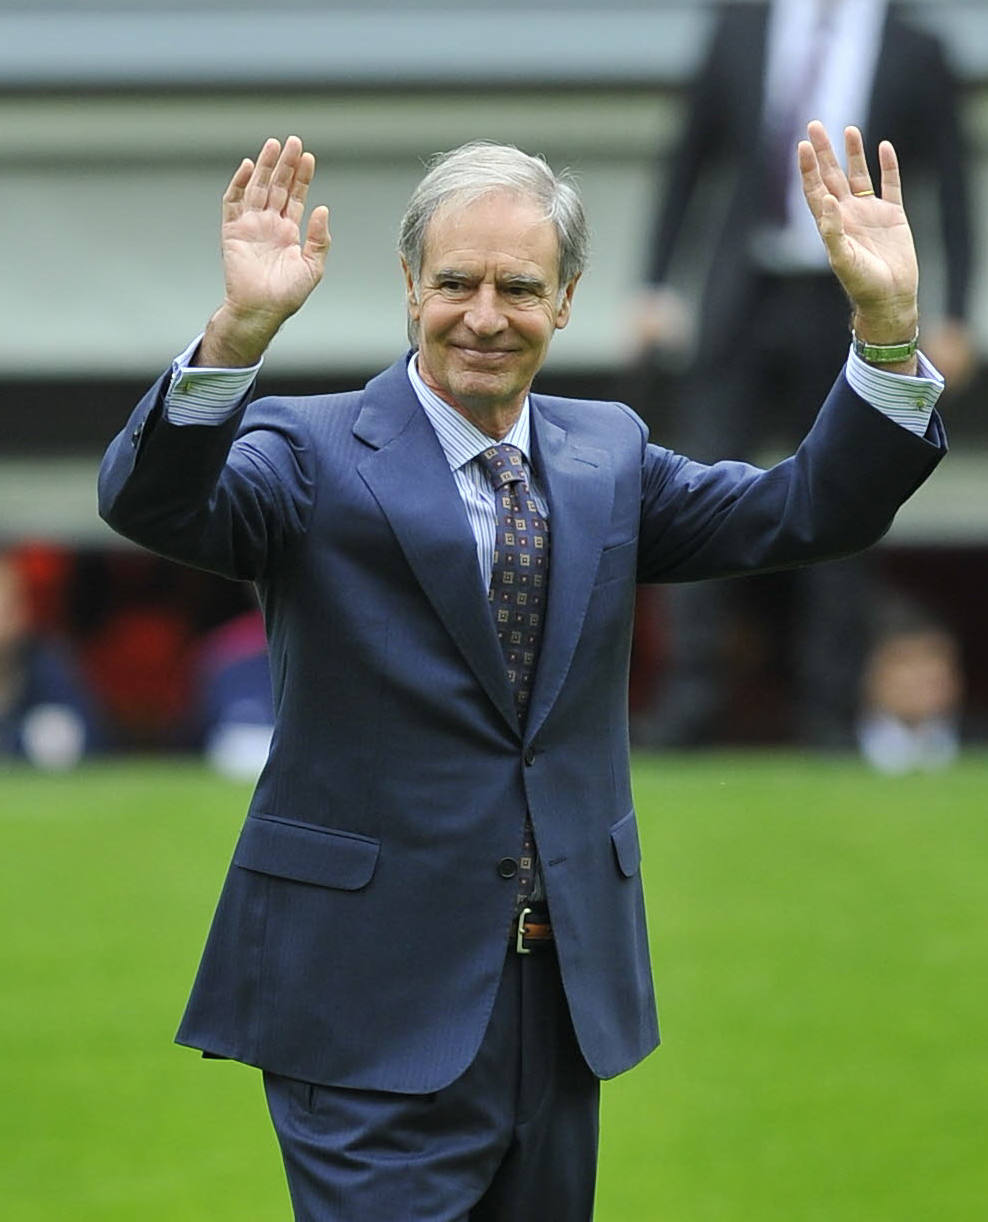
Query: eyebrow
column 520, row 280
column 514, row 279
column 451, row 273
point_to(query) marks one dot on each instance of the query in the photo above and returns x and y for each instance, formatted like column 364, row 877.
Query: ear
column 566, row 305
column 410, row 294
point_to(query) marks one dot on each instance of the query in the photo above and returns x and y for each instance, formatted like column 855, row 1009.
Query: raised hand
column 867, row 235
column 268, row 269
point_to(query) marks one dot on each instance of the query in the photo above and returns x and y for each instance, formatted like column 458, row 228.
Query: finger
column 317, row 239
column 256, row 191
column 304, row 171
column 858, row 174
column 891, row 182
column 233, row 196
column 830, row 169
column 813, row 185
column 283, row 174
column 823, row 205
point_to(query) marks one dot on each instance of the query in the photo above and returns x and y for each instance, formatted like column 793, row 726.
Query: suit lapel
column 409, row 477
column 580, row 489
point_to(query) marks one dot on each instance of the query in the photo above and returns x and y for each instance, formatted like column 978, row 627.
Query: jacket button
column 530, row 756
column 507, row 867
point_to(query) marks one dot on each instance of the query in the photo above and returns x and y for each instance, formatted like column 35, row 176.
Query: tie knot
column 503, row 464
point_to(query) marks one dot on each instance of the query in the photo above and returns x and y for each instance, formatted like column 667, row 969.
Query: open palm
column 867, row 236
column 268, row 269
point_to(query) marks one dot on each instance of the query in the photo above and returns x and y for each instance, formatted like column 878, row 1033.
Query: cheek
column 535, row 325
column 549, row 315
column 539, row 326
column 437, row 316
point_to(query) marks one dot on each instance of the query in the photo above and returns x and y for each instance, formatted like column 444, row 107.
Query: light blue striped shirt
column 906, row 400
column 462, row 442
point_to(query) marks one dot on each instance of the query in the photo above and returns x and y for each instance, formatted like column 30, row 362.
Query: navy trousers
column 514, row 1139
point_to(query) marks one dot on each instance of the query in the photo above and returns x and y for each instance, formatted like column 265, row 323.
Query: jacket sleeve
column 228, row 498
column 837, row 494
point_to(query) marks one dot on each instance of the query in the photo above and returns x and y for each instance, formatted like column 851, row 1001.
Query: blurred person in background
column 137, row 626
column 431, row 937
column 47, row 717
column 235, row 697
column 773, row 322
column 912, row 694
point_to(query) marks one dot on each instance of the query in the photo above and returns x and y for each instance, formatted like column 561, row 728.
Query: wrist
column 235, row 339
column 888, row 339
column 886, row 327
column 885, row 354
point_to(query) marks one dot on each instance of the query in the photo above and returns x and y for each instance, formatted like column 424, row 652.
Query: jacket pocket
column 306, row 854
column 618, row 561
column 624, row 837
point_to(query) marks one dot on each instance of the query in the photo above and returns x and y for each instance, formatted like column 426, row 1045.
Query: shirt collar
column 462, row 441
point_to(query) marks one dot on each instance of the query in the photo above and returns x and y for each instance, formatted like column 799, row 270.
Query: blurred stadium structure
column 120, row 125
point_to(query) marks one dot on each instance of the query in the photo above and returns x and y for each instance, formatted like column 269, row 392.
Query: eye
column 522, row 291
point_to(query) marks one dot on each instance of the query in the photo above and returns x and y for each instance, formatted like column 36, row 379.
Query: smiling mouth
column 485, row 354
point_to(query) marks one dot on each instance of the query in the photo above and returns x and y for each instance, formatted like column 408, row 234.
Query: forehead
column 500, row 229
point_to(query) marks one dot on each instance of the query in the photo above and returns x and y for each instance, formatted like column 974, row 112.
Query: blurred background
column 819, row 934
column 120, row 126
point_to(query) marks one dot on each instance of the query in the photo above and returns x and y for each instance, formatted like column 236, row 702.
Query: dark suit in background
column 768, row 340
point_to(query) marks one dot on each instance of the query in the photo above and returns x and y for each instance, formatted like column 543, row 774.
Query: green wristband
column 885, row 354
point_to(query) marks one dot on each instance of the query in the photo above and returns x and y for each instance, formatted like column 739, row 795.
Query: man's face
column 487, row 304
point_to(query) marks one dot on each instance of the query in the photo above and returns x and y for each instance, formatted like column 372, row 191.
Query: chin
column 483, row 387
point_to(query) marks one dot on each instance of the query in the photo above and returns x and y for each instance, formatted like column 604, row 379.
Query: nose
column 484, row 316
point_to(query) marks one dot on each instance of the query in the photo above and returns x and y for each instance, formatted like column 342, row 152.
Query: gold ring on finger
column 858, row 194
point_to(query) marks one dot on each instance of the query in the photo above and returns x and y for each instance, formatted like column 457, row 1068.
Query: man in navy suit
column 431, row 937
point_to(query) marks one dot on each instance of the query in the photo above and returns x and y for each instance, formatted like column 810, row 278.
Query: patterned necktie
column 519, row 584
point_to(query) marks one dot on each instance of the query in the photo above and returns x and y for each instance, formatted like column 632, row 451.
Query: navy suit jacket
column 361, row 931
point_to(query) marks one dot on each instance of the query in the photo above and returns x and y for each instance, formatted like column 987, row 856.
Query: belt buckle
column 520, row 946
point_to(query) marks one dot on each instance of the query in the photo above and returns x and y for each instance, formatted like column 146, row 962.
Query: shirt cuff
column 906, row 399
column 200, row 395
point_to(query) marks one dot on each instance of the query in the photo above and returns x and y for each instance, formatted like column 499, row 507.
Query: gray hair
column 481, row 167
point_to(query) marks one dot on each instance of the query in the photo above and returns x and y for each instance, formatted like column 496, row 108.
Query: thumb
column 831, row 226
column 317, row 238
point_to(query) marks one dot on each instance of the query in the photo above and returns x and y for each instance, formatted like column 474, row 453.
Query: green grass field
column 820, row 941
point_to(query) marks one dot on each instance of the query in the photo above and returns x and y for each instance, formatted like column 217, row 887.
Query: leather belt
column 531, row 930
